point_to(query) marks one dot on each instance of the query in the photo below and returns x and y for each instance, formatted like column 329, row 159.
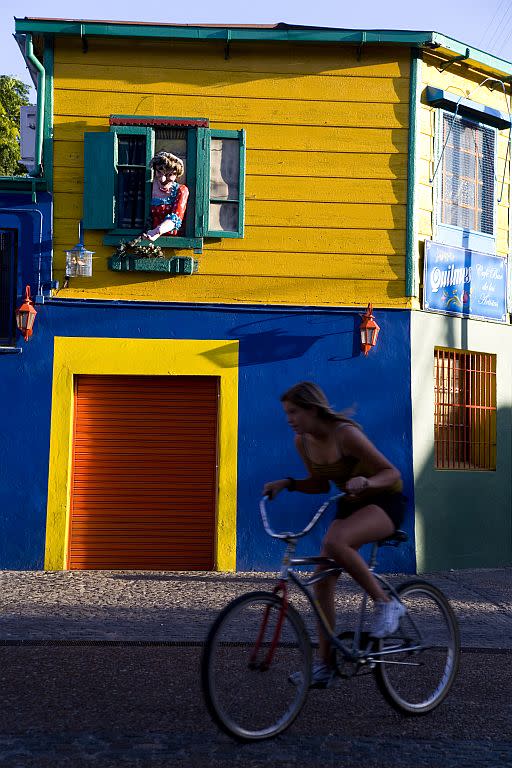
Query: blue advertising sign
column 466, row 283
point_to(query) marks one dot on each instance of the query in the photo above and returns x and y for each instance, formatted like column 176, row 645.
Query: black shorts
column 393, row 504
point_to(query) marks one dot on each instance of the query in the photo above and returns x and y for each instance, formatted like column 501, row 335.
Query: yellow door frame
column 140, row 357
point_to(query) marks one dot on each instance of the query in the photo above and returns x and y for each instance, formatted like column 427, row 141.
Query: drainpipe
column 41, row 87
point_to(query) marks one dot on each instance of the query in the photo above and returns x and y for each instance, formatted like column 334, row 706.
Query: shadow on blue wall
column 260, row 344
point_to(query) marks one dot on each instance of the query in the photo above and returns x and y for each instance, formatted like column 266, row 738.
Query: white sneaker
column 322, row 676
column 386, row 617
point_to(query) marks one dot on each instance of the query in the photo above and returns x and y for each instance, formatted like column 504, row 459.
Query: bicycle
column 259, row 640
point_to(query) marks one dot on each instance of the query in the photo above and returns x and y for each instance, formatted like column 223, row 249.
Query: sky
column 485, row 25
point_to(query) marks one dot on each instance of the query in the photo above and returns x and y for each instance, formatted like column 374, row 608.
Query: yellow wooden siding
column 325, row 174
column 222, row 289
column 283, row 188
column 269, row 264
column 156, row 83
column 307, row 139
column 462, row 82
column 69, row 163
column 299, row 112
column 278, row 240
column 279, row 57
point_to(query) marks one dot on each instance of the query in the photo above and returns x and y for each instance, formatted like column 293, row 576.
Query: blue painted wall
column 32, row 221
column 277, row 349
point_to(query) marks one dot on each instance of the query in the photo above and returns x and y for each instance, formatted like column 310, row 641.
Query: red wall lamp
column 25, row 315
column 369, row 330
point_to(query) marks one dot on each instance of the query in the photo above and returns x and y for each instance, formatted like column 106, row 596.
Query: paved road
column 139, row 706
column 85, row 684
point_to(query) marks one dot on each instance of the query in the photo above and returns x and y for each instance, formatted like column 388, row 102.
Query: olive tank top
column 342, row 469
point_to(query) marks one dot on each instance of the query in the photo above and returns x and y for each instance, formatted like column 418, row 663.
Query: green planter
column 128, row 258
column 176, row 265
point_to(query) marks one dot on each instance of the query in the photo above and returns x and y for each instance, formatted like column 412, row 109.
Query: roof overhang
column 446, row 46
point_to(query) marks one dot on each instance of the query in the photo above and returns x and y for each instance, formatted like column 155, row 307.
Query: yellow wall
column 461, row 81
column 326, row 164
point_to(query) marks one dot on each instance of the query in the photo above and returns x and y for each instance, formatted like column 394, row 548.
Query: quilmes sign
column 467, row 283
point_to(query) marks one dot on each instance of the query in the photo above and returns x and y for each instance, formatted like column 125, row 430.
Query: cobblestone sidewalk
column 129, row 606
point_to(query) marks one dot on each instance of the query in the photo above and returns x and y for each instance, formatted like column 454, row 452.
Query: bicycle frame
column 328, row 568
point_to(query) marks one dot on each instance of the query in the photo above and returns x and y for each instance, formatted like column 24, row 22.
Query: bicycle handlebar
column 288, row 534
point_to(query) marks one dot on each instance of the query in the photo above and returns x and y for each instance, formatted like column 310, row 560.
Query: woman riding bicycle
column 334, row 448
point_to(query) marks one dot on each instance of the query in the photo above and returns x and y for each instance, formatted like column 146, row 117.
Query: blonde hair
column 308, row 395
column 169, row 163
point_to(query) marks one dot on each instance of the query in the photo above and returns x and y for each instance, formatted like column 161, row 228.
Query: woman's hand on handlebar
column 276, row 486
column 356, row 485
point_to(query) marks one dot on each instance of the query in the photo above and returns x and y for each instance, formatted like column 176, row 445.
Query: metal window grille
column 173, row 140
column 7, row 286
column 465, row 410
column 467, row 179
column 131, row 179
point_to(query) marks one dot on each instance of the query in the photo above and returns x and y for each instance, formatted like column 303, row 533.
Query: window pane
column 131, row 189
column 467, row 175
column 224, row 168
column 223, row 217
column 131, row 150
column 224, row 185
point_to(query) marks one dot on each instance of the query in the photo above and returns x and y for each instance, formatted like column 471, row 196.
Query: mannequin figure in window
column 168, row 198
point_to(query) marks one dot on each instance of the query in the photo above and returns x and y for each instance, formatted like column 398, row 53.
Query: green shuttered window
column 224, row 174
column 117, row 179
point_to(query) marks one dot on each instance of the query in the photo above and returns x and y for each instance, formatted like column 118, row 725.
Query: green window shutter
column 99, row 181
column 224, row 183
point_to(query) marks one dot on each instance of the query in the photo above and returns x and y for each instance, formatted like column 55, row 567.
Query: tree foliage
column 13, row 95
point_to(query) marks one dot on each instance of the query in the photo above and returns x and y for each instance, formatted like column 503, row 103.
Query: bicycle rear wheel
column 250, row 652
column 422, row 658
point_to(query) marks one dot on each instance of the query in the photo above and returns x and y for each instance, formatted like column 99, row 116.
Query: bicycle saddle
column 396, row 538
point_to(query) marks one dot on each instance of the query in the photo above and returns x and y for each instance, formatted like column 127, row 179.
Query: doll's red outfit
column 171, row 206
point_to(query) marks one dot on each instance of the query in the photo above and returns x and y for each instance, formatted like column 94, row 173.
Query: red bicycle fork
column 282, row 588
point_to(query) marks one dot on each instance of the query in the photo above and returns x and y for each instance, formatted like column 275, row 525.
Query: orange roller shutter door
column 144, row 476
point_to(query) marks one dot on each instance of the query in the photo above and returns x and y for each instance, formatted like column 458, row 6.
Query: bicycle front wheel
column 252, row 648
column 420, row 662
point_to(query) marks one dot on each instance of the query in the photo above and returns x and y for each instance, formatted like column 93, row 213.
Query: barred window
column 131, row 180
column 465, row 410
column 467, row 179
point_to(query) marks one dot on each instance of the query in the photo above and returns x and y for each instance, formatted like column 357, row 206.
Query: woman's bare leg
column 341, row 543
column 325, row 591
